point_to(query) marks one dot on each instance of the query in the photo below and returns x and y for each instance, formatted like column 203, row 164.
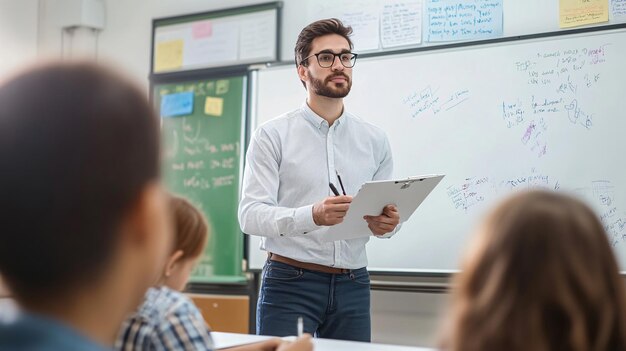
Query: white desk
column 224, row 340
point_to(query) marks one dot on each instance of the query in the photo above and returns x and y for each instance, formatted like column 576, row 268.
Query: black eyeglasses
column 326, row 59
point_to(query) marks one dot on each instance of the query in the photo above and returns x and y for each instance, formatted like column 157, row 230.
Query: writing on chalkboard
column 199, row 89
column 200, row 156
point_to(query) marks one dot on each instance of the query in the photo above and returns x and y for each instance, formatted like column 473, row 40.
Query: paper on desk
column 224, row 341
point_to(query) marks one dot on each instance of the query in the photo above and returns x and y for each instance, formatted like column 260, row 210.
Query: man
column 287, row 200
column 85, row 229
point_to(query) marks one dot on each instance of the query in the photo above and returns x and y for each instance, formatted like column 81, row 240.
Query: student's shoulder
column 170, row 305
column 28, row 332
column 158, row 303
column 159, row 319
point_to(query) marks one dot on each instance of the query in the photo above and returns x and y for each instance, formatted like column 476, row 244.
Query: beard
column 333, row 90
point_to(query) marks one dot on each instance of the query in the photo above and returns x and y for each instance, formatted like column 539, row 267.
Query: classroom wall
column 397, row 317
column 126, row 37
column 18, row 34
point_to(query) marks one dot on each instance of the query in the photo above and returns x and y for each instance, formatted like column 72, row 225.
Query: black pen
column 340, row 182
column 332, row 187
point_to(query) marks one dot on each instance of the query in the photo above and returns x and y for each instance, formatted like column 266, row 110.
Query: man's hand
column 331, row 210
column 385, row 222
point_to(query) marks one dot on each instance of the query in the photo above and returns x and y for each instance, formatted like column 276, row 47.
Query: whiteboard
column 496, row 118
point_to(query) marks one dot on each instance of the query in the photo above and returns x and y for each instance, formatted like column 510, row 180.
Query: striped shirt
column 290, row 161
column 167, row 320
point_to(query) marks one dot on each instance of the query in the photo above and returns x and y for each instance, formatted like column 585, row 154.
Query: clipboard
column 407, row 194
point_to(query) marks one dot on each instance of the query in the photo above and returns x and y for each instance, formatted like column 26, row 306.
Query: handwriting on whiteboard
column 432, row 101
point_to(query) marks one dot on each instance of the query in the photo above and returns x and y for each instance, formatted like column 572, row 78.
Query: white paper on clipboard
column 407, row 194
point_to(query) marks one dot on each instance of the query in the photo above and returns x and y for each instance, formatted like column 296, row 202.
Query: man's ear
column 172, row 262
column 303, row 73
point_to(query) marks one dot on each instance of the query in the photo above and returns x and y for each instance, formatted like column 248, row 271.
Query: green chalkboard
column 202, row 128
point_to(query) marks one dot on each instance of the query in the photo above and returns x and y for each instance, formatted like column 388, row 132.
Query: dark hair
column 190, row 226
column 541, row 276
column 315, row 30
column 78, row 143
column 318, row 29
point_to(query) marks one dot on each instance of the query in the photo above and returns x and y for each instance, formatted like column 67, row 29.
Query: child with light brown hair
column 167, row 319
column 539, row 275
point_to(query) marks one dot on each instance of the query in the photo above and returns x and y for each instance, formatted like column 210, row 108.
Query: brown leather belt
column 306, row 265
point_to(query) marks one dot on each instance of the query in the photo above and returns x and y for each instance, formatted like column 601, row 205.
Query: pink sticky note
column 202, row 29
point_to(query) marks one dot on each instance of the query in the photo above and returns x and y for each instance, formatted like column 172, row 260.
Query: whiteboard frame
column 253, row 266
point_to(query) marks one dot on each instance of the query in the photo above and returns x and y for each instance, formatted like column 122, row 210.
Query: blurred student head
column 191, row 234
column 83, row 213
column 539, row 275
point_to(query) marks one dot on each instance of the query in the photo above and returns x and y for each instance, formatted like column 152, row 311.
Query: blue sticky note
column 451, row 20
column 178, row 104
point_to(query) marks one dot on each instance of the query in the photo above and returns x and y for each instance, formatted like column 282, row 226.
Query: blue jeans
column 334, row 306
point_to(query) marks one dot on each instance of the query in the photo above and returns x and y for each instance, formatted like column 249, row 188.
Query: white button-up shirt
column 289, row 163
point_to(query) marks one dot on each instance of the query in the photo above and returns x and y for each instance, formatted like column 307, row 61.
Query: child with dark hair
column 84, row 217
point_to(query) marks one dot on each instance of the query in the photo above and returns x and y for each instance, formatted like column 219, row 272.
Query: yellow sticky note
column 580, row 12
column 168, row 55
column 213, row 106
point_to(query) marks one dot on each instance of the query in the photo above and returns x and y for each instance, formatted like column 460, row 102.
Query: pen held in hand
column 332, row 187
column 300, row 326
column 340, row 183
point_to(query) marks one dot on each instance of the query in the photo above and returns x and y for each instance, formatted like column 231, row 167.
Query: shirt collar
column 318, row 121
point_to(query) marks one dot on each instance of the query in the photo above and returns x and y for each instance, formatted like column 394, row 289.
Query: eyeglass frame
column 334, row 57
